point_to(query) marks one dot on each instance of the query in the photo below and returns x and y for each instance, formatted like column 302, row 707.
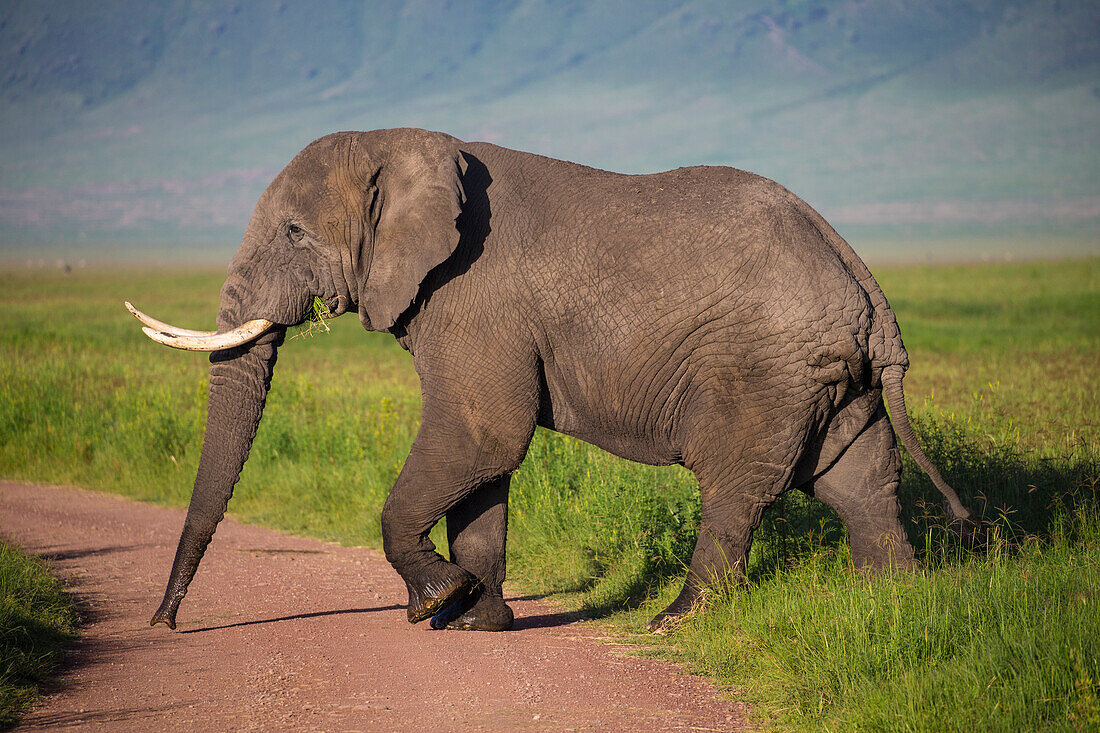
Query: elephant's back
column 599, row 248
column 698, row 221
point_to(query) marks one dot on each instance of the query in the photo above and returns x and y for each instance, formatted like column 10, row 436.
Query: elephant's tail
column 886, row 352
column 895, row 397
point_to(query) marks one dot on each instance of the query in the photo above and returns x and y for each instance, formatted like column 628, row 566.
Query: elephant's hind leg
column 719, row 555
column 862, row 487
column 736, row 488
column 477, row 530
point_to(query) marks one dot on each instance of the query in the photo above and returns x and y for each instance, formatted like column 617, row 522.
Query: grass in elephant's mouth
column 317, row 322
column 1002, row 393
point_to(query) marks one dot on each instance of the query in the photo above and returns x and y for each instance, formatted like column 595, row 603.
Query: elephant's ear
column 419, row 195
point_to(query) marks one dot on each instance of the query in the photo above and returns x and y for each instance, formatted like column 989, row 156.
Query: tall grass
column 1002, row 393
column 36, row 621
column 1005, row 640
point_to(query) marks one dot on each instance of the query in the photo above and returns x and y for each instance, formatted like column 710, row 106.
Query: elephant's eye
column 295, row 232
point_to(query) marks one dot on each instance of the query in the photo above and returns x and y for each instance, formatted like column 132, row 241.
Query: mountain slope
column 899, row 119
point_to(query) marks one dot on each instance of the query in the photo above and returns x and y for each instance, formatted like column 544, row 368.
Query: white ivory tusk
column 156, row 325
column 185, row 338
column 215, row 342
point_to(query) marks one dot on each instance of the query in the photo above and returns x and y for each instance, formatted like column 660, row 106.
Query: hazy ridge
column 951, row 124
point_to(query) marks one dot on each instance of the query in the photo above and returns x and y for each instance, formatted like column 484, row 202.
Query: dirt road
column 281, row 633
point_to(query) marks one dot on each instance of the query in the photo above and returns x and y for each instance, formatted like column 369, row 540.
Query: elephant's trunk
column 239, row 380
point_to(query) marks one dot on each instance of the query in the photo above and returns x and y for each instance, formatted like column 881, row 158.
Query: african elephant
column 703, row 316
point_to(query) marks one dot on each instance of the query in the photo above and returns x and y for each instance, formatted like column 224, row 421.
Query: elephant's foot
column 436, row 588
column 665, row 623
column 480, row 611
column 874, row 548
column 667, row 620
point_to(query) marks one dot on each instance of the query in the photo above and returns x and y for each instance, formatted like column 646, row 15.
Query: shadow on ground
column 295, row 617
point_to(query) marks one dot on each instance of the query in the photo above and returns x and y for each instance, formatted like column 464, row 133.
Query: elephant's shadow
column 538, row 621
column 294, row 617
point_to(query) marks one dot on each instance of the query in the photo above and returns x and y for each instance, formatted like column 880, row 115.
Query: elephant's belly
column 630, row 447
column 600, row 417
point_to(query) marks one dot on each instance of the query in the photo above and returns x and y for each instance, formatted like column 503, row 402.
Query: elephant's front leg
column 459, row 465
column 417, row 501
column 477, row 531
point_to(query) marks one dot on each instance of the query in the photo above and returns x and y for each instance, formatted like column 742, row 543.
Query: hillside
column 903, row 121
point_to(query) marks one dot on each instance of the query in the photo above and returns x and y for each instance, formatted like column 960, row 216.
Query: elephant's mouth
column 183, row 338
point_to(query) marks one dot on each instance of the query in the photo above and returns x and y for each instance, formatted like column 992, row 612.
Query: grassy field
column 36, row 620
column 1003, row 392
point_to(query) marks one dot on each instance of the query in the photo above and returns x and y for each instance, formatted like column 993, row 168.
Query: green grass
column 1003, row 392
column 36, row 621
column 1008, row 640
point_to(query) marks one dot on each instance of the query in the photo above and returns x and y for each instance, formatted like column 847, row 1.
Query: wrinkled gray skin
column 703, row 316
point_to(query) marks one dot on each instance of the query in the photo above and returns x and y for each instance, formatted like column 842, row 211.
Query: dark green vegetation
column 36, row 619
column 1003, row 392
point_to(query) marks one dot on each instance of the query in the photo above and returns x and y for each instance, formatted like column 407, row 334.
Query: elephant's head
column 356, row 219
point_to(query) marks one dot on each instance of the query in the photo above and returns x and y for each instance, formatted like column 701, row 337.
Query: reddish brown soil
column 281, row 633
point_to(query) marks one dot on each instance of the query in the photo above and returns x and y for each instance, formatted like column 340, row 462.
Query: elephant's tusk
column 240, row 335
column 183, row 338
column 156, row 325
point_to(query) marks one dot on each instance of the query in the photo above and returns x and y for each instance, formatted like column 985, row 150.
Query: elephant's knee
column 397, row 543
column 389, row 543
